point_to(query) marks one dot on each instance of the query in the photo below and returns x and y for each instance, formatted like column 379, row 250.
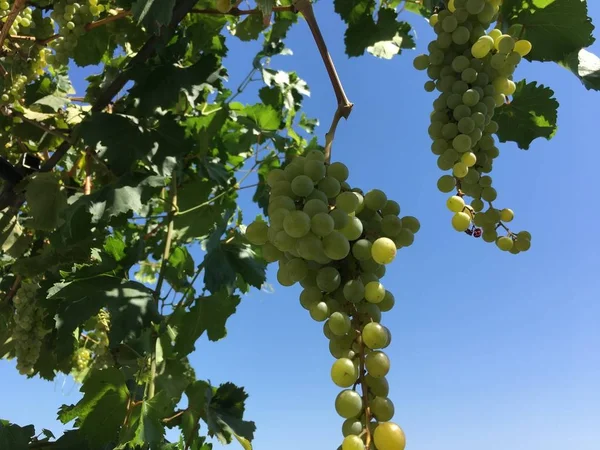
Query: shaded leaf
column 14, row 437
column 102, row 409
column 555, row 29
column 250, row 27
column 145, row 425
column 208, row 314
column 531, row 114
column 92, row 46
column 153, row 13
column 225, row 416
column 46, row 201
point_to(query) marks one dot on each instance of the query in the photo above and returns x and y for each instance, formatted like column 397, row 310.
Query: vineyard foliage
column 103, row 195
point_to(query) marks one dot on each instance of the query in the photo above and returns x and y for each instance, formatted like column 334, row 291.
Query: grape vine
column 336, row 242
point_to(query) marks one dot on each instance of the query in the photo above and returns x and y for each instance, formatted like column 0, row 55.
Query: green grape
column 344, row 373
column 489, row 235
column 315, row 206
column 296, row 224
column 354, row 291
column 361, row 249
column 389, row 436
column 284, row 242
column 461, row 35
column 449, row 24
column 522, row 243
column 353, row 229
column 336, row 246
column 319, row 311
column 374, row 291
column 352, row 427
column 460, row 170
column 383, row 250
column 5, row 6
column 321, row 224
column 374, row 335
column 256, row 232
column 455, row 203
column 353, row 443
column 462, row 143
column 488, row 194
column 468, row 159
column 505, row 243
column 340, row 218
column 391, row 225
column 315, row 170
column 347, row 202
column 339, row 323
column 382, row 408
column 330, row 187
column 297, row 269
column 375, row 199
column 412, row 223
column 348, row 404
column 271, row 253
column 283, row 276
column 461, row 221
column 421, row 62
column 281, row 203
column 377, row 363
column 377, row 385
column 391, row 208
column 310, row 296
column 523, row 47
column 404, row 239
column 446, row 183
column 387, row 303
column 328, row 279
column 276, row 219
column 338, row 171
column 505, row 44
column 506, row 215
column 302, row 186
column 283, row 188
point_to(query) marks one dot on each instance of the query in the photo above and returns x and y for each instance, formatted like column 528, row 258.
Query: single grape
column 352, row 427
column 336, row 246
column 319, row 312
column 523, row 47
column 421, row 62
column 361, row 249
column 296, row 224
column 455, row 203
column 505, row 243
column 387, row 303
column 297, row 269
column 412, row 223
column 506, row 215
column 375, row 199
column 353, row 229
column 256, row 232
column 374, row 335
column 343, row 372
column 310, row 296
column 383, row 250
column 315, row 170
column 321, row 224
column 338, row 171
column 347, row 202
column 461, row 221
column 302, row 186
column 374, row 292
column 446, row 183
column 348, row 404
column 377, row 364
column 353, row 442
column 354, row 291
column 391, row 225
column 339, row 323
column 389, row 436
column 382, row 408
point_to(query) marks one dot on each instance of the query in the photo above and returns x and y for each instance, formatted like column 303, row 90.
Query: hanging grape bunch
column 473, row 70
column 336, row 242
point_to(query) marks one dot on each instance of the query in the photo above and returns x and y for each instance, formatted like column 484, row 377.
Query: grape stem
column 18, row 6
column 344, row 106
column 161, row 276
column 365, row 394
column 13, row 289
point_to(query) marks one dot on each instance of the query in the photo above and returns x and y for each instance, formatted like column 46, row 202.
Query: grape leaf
column 249, row 29
column 224, row 262
column 175, row 375
column 153, row 13
column 586, row 66
column 198, row 222
column 555, row 28
column 365, row 33
column 264, row 117
column 46, row 201
column 131, row 305
column 145, row 424
column 352, row 11
column 179, row 268
column 532, row 113
column 208, row 314
column 14, row 437
column 162, row 86
column 102, row 409
column 92, row 46
column 224, row 416
column 12, row 239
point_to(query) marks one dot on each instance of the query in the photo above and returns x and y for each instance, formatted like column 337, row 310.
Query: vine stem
column 13, row 289
column 365, row 394
column 163, row 268
column 344, row 106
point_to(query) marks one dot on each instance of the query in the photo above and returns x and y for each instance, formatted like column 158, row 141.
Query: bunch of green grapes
column 71, row 18
column 81, row 363
column 473, row 70
column 22, row 73
column 336, row 242
column 22, row 22
column 93, row 347
column 28, row 330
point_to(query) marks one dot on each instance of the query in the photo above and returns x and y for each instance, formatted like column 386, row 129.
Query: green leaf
column 153, row 13
column 115, row 247
column 175, row 376
column 555, row 28
column 383, row 37
column 225, row 416
column 208, row 314
column 249, row 29
column 92, row 46
column 224, row 262
column 46, row 201
column 352, row 11
column 14, row 437
column 102, row 409
column 52, row 103
column 131, row 305
column 146, row 426
column 264, row 117
column 532, row 113
column 179, row 268
column 12, row 239
column 586, row 66
column 163, row 86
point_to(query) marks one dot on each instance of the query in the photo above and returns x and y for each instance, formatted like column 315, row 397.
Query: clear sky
column 491, row 350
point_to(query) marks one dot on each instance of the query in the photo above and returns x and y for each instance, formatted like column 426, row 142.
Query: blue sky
column 490, row 350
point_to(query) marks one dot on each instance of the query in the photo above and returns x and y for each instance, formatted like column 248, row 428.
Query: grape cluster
column 23, row 21
column 472, row 69
column 93, row 350
column 28, row 330
column 81, row 363
column 71, row 18
column 336, row 241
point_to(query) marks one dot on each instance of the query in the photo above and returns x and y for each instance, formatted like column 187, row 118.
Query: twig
column 44, row 127
column 174, row 416
column 344, row 105
column 365, row 394
column 13, row 289
column 18, row 6
column 163, row 268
